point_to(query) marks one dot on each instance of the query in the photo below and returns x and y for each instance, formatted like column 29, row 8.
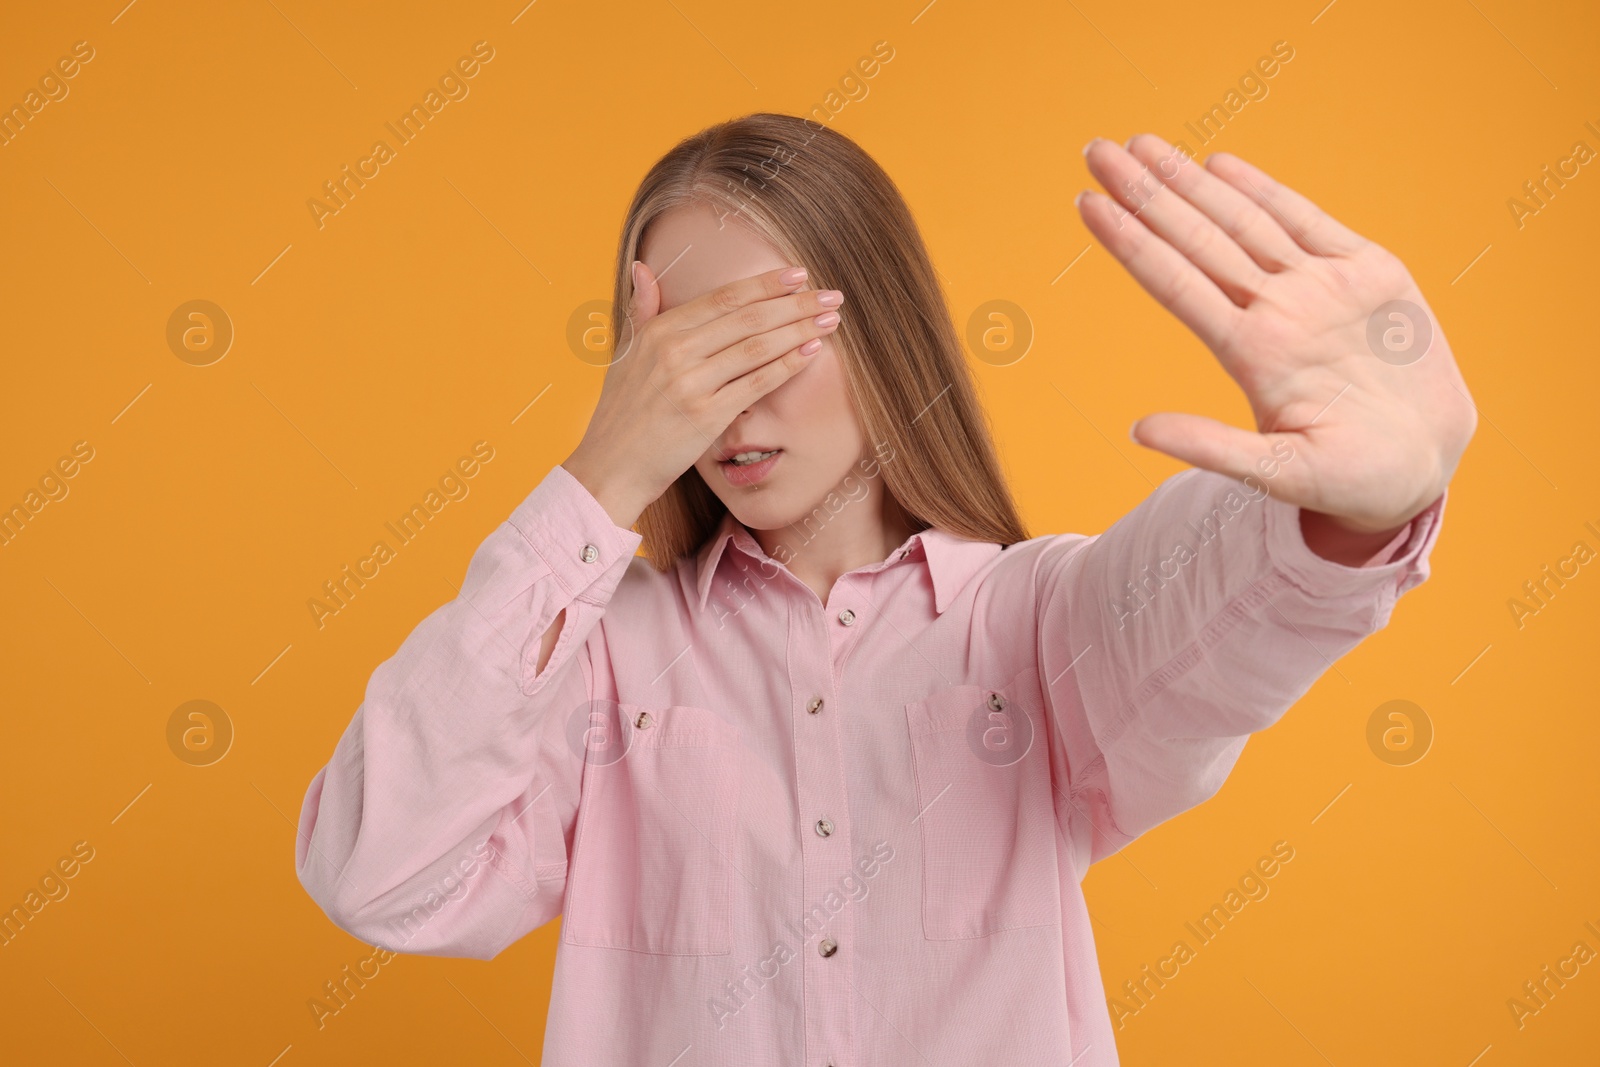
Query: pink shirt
column 849, row 833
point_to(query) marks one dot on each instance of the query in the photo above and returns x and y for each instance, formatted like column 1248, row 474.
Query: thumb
column 1202, row 442
column 646, row 301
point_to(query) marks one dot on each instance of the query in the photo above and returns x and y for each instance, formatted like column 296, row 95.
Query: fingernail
column 793, row 276
column 633, row 272
column 1079, row 197
column 1090, row 145
column 830, row 298
column 827, row 318
column 1132, row 435
column 811, row 347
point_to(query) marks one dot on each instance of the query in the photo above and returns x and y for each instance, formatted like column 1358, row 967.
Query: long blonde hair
column 822, row 202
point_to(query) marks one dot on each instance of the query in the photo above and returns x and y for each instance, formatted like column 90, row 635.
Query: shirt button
column 589, row 554
column 847, row 617
column 815, row 705
column 644, row 721
column 827, row 946
column 824, row 827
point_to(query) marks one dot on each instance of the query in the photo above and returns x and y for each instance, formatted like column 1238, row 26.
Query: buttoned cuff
column 575, row 536
column 1399, row 565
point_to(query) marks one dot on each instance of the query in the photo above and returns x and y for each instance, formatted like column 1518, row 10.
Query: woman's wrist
column 623, row 502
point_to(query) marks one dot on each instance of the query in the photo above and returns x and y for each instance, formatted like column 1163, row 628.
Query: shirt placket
column 828, row 922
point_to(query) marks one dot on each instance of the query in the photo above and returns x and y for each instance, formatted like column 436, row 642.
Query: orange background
column 428, row 314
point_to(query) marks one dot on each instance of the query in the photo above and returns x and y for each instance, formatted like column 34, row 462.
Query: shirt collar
column 951, row 560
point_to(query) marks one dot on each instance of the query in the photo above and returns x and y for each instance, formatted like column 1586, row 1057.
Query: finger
column 757, row 383
column 1311, row 228
column 731, row 297
column 644, row 303
column 745, row 355
column 783, row 318
column 1241, row 218
column 1142, row 177
column 1206, row 443
column 1164, row 273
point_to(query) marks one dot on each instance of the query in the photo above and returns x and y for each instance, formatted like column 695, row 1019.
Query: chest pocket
column 652, row 849
column 983, row 791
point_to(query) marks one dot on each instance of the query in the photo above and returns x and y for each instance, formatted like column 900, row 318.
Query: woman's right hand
column 683, row 375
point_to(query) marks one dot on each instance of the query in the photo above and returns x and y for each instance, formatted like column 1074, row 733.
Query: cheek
column 816, row 402
column 820, row 420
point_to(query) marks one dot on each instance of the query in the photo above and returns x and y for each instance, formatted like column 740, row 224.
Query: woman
column 817, row 781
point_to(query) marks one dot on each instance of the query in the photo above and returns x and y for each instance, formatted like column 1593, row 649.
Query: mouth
column 749, row 466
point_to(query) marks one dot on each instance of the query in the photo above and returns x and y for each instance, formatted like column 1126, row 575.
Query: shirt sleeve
column 1197, row 619
column 439, row 826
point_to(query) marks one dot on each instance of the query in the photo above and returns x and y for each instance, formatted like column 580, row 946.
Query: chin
column 765, row 510
column 777, row 502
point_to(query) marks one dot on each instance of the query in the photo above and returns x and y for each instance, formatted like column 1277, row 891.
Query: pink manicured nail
column 793, row 276
column 827, row 318
column 811, row 347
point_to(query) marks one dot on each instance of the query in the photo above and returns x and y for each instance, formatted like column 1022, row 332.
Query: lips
column 734, row 450
column 748, row 473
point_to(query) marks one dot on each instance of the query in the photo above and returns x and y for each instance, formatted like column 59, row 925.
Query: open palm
column 1325, row 331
